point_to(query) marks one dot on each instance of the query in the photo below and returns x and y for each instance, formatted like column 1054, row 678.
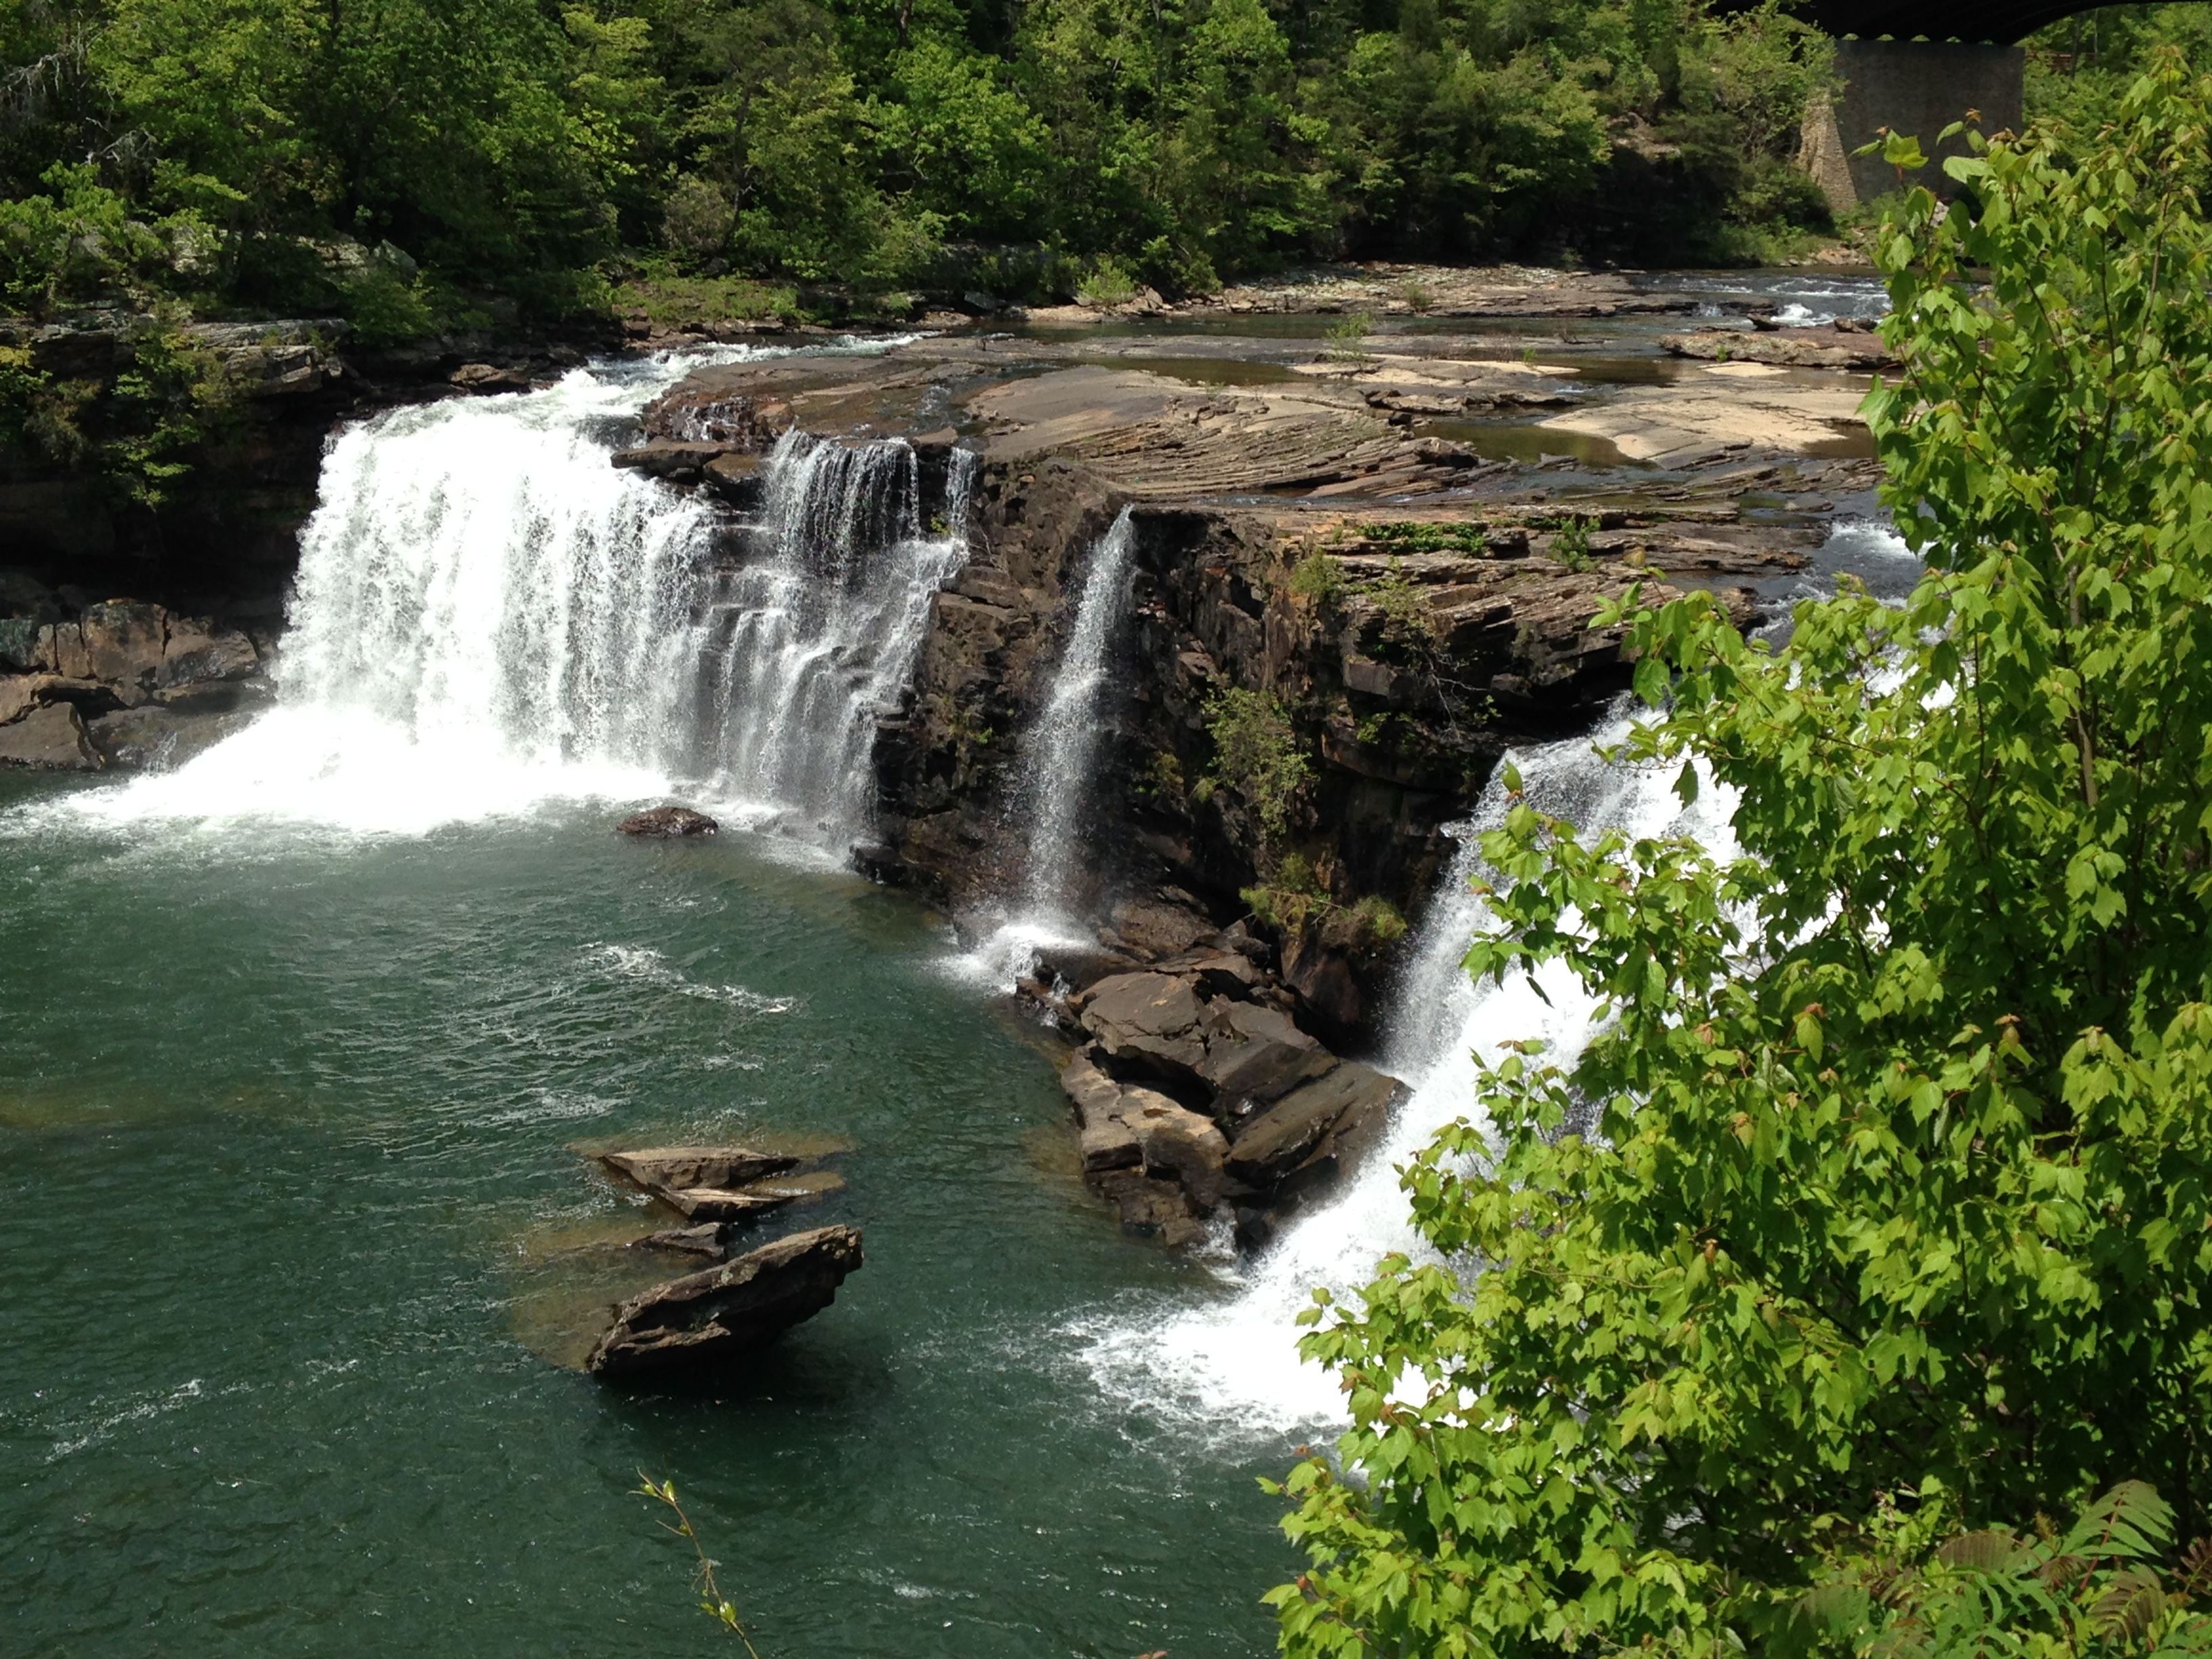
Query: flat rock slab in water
column 668, row 821
column 680, row 1168
column 710, row 1318
column 710, row 1239
column 721, row 1203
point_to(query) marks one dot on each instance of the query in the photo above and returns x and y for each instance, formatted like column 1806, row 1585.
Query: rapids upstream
column 305, row 1041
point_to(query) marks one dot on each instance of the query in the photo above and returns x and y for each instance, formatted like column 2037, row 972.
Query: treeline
column 408, row 162
column 2080, row 68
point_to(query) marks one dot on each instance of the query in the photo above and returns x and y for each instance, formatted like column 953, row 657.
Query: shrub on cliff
column 1898, row 1207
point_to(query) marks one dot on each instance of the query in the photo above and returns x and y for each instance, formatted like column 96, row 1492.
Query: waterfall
column 1232, row 1359
column 483, row 580
column 821, row 635
column 1056, row 779
column 1236, row 1362
column 1057, row 784
column 489, row 616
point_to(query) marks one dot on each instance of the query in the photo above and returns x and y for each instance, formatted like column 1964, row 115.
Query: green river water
column 291, row 1214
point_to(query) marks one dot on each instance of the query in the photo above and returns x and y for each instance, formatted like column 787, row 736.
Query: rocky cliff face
column 1391, row 662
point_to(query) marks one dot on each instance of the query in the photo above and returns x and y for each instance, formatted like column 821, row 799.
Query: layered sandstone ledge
column 1413, row 608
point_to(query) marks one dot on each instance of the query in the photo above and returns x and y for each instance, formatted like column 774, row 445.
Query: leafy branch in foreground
column 712, row 1601
column 1901, row 1176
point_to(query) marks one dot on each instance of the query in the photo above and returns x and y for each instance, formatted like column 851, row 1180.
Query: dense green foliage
column 1883, row 1192
column 2079, row 69
column 423, row 161
column 2101, row 1587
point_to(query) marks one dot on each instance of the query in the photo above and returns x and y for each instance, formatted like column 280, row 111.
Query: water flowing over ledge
column 1235, row 1362
column 808, row 643
column 489, row 618
column 1057, row 779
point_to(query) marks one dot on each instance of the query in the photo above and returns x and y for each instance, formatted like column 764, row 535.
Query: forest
column 414, row 163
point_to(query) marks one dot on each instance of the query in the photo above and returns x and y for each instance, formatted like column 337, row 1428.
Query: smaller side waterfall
column 1065, row 745
column 1237, row 1362
column 1055, row 787
column 821, row 633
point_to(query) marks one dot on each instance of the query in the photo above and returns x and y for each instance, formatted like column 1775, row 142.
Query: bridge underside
column 1984, row 21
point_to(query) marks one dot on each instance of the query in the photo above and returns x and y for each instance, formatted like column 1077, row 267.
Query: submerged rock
column 668, row 822
column 710, row 1239
column 722, row 1313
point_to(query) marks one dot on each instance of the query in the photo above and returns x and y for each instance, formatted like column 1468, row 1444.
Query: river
column 306, row 1045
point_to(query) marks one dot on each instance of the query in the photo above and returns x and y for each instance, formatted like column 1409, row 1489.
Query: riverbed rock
column 1147, row 1204
column 708, row 408
column 155, row 736
column 722, row 1314
column 52, row 738
column 1107, row 1142
column 124, row 644
column 1255, row 1056
column 1146, row 1022
column 721, row 1203
column 196, row 651
column 1314, row 1128
column 482, row 378
column 1824, row 347
column 20, row 649
column 1172, row 1140
column 668, row 822
column 678, row 460
column 674, row 1168
column 709, row 1239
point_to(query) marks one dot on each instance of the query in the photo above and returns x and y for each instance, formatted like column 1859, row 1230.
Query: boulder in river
column 1192, row 1098
column 668, row 822
column 723, row 1313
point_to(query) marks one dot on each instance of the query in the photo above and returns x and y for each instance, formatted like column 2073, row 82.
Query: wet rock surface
column 722, row 1314
column 118, row 683
column 1847, row 345
column 668, row 822
column 1195, row 1101
column 711, row 1316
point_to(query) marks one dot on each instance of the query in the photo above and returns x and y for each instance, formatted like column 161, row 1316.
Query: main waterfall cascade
column 489, row 615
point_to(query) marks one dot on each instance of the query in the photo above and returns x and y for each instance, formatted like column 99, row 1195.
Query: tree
column 1899, row 1194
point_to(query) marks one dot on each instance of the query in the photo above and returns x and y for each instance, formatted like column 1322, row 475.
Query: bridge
column 1941, row 58
column 1987, row 22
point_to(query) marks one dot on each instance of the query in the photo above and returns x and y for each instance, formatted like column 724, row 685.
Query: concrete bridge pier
column 1918, row 87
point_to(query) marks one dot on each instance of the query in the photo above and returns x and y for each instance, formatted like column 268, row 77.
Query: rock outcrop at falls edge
column 84, row 686
column 1399, row 629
